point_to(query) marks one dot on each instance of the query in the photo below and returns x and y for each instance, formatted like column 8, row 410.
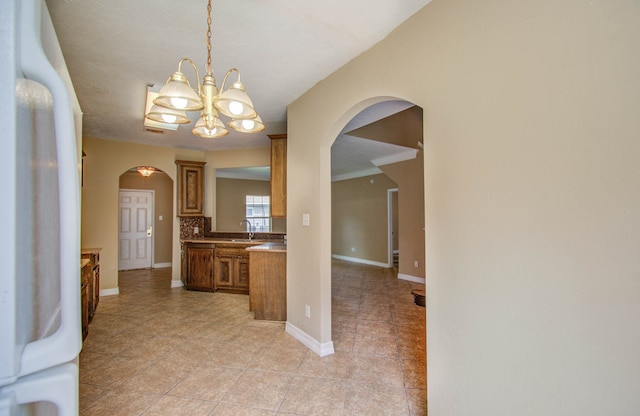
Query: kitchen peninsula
column 230, row 263
column 268, row 281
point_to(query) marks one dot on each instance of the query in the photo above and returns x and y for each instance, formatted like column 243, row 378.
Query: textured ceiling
column 114, row 48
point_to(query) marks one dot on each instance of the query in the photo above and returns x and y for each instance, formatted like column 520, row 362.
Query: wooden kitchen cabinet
column 231, row 269
column 199, row 267
column 93, row 255
column 190, row 188
column 85, row 295
column 268, row 291
column 278, row 175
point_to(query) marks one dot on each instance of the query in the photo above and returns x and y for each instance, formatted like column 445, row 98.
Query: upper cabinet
column 278, row 175
column 190, row 188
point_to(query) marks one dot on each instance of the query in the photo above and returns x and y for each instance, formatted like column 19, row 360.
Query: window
column 258, row 213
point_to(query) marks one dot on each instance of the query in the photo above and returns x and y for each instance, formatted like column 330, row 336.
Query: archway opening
column 377, row 239
column 145, row 213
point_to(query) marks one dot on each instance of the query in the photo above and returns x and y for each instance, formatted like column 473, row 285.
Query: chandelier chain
column 209, row 37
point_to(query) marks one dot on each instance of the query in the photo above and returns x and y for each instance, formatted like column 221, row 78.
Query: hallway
column 153, row 350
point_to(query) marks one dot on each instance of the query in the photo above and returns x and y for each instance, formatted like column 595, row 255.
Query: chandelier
column 146, row 171
column 177, row 96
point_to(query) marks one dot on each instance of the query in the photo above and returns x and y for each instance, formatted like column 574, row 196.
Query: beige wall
column 229, row 159
column 106, row 160
column 531, row 199
column 360, row 219
column 162, row 185
column 409, row 175
column 231, row 203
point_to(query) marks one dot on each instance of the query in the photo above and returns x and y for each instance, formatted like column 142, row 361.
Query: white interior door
column 136, row 230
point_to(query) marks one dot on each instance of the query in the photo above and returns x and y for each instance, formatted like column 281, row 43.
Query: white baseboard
column 310, row 342
column 161, row 265
column 110, row 292
column 411, row 278
column 176, row 283
column 362, row 261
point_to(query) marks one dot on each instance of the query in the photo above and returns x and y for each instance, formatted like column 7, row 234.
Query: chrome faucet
column 250, row 228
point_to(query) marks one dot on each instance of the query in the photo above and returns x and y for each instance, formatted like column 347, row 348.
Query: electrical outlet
column 415, row 263
column 196, row 230
column 307, row 311
column 353, row 249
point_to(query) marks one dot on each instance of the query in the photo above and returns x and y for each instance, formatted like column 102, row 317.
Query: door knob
column 149, row 231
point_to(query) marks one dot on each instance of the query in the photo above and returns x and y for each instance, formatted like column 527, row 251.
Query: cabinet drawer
column 231, row 252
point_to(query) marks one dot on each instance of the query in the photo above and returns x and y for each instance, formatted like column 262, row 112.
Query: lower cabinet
column 199, row 267
column 268, row 294
column 213, row 267
column 85, row 295
column 231, row 269
column 93, row 255
column 89, row 285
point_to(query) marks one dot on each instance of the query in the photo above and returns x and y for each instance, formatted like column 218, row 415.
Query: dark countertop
column 233, row 241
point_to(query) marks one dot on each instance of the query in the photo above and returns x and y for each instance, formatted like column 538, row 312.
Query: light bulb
column 169, row 118
column 179, row 102
column 210, row 132
column 236, row 107
column 248, row 124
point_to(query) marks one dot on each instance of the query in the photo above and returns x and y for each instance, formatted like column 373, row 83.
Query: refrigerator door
column 8, row 41
column 40, row 211
column 65, row 343
column 52, row 391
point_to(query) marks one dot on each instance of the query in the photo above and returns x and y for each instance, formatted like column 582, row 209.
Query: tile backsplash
column 188, row 227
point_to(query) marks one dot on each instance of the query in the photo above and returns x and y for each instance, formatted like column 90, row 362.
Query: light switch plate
column 305, row 220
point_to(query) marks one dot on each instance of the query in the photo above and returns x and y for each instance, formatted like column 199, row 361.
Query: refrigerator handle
column 64, row 344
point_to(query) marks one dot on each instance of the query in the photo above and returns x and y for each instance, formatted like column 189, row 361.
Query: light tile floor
column 155, row 351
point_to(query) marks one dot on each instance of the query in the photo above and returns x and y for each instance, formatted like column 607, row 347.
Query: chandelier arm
column 195, row 68
column 224, row 80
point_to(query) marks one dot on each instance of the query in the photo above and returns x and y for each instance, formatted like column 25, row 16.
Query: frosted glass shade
column 247, row 125
column 177, row 94
column 235, row 102
column 214, row 132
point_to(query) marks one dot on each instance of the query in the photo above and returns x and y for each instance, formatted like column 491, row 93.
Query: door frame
column 390, row 228
column 153, row 233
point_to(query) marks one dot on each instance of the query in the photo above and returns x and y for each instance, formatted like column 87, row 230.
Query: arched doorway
column 377, row 168
column 145, row 219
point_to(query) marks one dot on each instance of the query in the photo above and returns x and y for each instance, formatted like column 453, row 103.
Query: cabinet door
column 190, row 188
column 96, row 288
column 242, row 272
column 278, row 175
column 85, row 298
column 200, row 268
column 224, row 271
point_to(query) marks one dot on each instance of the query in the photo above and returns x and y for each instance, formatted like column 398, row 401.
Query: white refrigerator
column 40, row 124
